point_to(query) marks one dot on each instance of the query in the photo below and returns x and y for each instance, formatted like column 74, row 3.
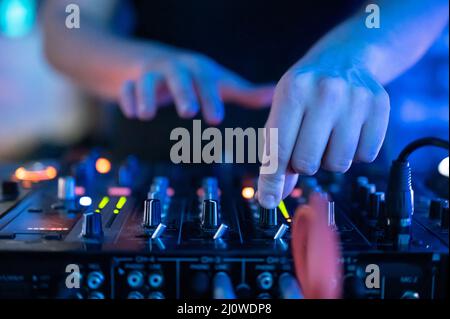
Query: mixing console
column 89, row 228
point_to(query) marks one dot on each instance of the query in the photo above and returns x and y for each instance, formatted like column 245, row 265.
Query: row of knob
column 374, row 203
column 209, row 199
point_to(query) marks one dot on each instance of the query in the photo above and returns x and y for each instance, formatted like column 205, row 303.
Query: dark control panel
column 89, row 228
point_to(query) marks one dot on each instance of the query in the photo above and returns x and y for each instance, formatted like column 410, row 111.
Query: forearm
column 92, row 56
column 407, row 29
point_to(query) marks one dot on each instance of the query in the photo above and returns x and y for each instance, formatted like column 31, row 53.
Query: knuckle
column 361, row 93
column 332, row 89
column 291, row 86
column 382, row 101
column 293, row 80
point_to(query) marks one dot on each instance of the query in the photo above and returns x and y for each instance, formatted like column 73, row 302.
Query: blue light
column 17, row 17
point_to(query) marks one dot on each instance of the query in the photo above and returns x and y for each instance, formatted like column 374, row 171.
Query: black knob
column 128, row 172
column 436, row 207
column 360, row 181
column 152, row 213
column 210, row 214
column 92, row 225
column 376, row 205
column 10, row 190
column 364, row 195
column 444, row 218
column 267, row 217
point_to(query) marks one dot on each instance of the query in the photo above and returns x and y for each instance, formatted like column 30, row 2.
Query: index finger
column 285, row 116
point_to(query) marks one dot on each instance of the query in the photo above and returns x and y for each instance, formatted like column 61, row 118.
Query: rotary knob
column 152, row 213
column 210, row 214
column 437, row 207
column 444, row 218
column 10, row 190
column 268, row 217
column 364, row 194
column 92, row 226
column 376, row 205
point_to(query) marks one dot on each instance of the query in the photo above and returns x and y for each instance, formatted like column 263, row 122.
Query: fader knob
column 210, row 214
column 152, row 213
column 92, row 225
column 267, row 217
column 436, row 207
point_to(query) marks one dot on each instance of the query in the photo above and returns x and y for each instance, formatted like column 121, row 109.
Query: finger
column 374, row 129
column 146, row 95
column 181, row 87
column 285, row 117
column 316, row 129
column 290, row 181
column 341, row 147
column 127, row 99
column 345, row 135
column 211, row 103
column 234, row 89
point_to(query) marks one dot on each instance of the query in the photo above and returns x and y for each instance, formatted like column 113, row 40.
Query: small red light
column 296, row 193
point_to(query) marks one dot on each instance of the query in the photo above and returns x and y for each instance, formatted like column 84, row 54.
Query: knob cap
column 10, row 190
column 268, row 217
column 128, row 172
column 92, row 225
column 210, row 187
column 289, row 287
column 152, row 213
column 436, row 207
column 360, row 181
column 66, row 188
column 222, row 286
column 364, row 194
column 210, row 214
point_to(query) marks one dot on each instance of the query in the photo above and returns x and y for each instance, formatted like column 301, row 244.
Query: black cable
column 400, row 194
column 427, row 141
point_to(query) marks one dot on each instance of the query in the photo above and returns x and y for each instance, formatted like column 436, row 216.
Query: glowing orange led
column 36, row 175
column 51, row 172
column 248, row 192
column 103, row 165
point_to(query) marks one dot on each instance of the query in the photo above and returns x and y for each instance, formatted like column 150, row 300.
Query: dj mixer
column 88, row 227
